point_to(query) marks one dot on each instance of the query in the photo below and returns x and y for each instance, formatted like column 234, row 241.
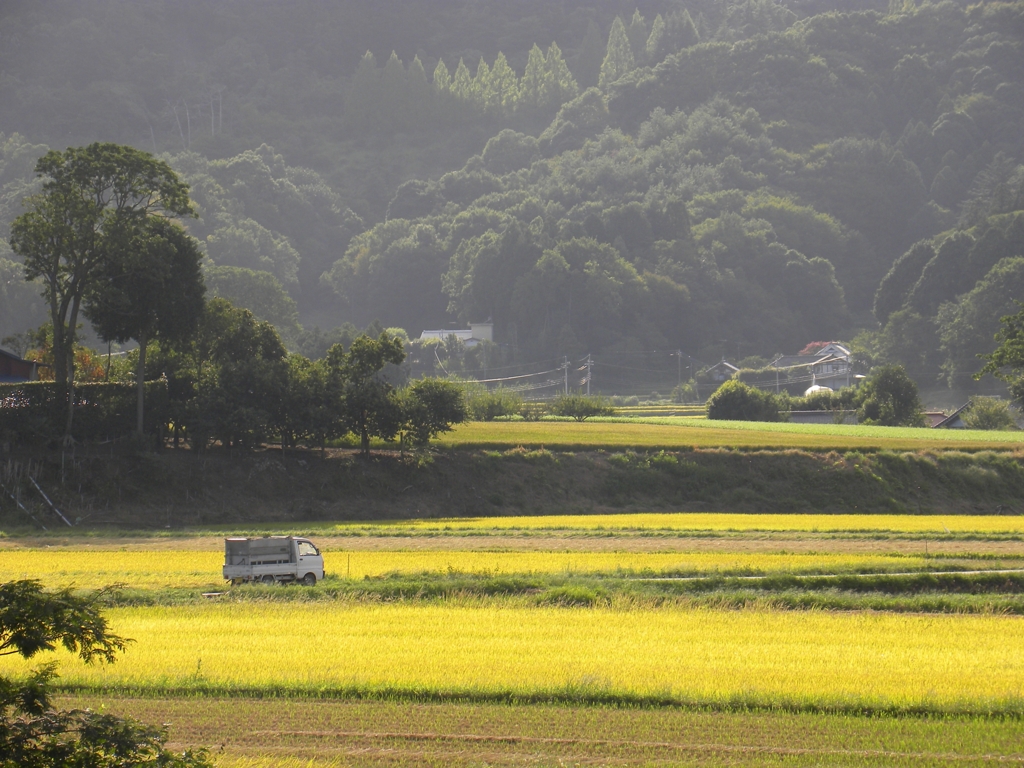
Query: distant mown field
column 682, row 432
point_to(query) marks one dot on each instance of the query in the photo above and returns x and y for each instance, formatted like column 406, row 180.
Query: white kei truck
column 272, row 559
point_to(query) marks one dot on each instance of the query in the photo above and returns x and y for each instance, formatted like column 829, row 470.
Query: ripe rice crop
column 91, row 569
column 716, row 521
column 201, row 569
column 700, row 656
column 378, row 563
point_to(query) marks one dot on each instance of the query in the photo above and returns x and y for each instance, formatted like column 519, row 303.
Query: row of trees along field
column 592, row 177
column 100, row 239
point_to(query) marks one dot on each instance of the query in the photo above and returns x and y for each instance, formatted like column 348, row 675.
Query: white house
column 828, row 367
column 471, row 336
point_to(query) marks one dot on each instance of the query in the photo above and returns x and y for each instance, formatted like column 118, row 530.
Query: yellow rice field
column 174, row 568
column 716, row 521
column 684, row 655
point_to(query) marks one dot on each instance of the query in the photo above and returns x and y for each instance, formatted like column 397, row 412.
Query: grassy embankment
column 503, row 468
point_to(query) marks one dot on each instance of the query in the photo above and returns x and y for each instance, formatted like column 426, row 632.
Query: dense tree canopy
column 889, row 398
column 149, row 286
column 590, row 176
column 95, row 208
column 1007, row 360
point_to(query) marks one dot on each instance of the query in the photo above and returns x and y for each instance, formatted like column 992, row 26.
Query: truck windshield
column 305, row 548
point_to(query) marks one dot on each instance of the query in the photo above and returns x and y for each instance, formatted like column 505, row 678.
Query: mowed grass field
column 325, row 733
column 550, row 675
column 688, row 432
column 712, row 522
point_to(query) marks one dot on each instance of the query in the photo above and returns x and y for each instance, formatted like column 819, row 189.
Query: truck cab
column 272, row 559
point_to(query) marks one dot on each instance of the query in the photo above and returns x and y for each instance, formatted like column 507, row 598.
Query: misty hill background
column 733, row 178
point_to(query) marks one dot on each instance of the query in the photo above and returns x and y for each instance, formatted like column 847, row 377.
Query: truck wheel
column 268, row 580
column 309, row 580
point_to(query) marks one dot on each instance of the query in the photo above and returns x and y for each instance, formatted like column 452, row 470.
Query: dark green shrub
column 889, row 398
column 989, row 413
column 685, row 392
column 534, row 411
column 735, row 401
column 491, row 404
column 580, row 407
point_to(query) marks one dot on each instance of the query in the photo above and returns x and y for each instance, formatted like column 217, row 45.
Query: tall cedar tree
column 618, row 58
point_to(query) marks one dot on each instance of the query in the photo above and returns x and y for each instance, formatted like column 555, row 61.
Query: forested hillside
column 604, row 176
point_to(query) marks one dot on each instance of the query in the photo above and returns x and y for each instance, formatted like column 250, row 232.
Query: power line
column 513, row 378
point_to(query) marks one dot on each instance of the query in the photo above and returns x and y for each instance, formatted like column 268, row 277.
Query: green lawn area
column 684, row 432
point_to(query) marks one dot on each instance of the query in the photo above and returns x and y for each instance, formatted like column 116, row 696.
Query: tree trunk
column 69, row 341
column 140, row 383
column 69, row 388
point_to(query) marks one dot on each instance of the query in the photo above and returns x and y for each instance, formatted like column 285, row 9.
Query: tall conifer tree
column 561, row 84
column 532, row 86
column 637, row 33
column 503, row 86
column 618, row 59
column 442, row 80
column 462, row 82
column 421, row 94
column 394, row 93
column 482, row 93
column 680, row 32
column 655, row 40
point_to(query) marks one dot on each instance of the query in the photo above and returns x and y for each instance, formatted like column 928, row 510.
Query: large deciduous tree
column 430, row 407
column 369, row 407
column 92, row 198
column 150, row 286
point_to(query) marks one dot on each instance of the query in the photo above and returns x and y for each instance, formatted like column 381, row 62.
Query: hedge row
column 36, row 411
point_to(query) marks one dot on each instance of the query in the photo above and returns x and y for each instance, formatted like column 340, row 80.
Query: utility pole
column 679, row 367
column 565, row 368
column 590, row 364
